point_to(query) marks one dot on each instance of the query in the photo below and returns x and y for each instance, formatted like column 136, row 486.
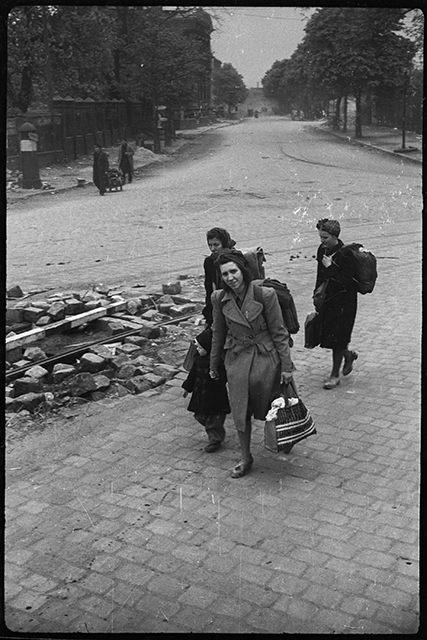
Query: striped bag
column 288, row 421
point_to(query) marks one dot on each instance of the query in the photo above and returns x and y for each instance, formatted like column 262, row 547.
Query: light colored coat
column 255, row 345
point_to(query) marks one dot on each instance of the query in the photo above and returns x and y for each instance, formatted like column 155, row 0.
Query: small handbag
column 319, row 296
column 312, row 330
column 288, row 421
column 189, row 357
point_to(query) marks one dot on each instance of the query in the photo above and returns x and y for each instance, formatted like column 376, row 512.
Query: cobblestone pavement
column 118, row 521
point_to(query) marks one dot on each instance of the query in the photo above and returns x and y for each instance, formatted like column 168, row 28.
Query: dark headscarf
column 330, row 226
column 222, row 235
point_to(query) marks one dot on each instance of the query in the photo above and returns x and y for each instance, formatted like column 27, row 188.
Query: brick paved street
column 118, row 521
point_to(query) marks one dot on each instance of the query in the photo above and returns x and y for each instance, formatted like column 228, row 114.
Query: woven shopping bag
column 288, row 421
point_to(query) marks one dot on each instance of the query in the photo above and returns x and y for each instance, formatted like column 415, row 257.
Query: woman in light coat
column 254, row 342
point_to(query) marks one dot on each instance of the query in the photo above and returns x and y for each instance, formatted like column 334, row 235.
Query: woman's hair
column 330, row 226
column 232, row 255
column 222, row 235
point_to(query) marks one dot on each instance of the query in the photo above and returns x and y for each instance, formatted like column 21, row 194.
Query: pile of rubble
column 116, row 367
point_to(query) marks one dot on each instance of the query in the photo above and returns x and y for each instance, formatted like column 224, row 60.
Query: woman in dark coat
column 100, row 167
column 252, row 339
column 337, row 314
column 217, row 239
column 125, row 160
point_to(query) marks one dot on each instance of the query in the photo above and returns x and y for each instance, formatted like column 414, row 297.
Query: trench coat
column 125, row 160
column 254, row 344
column 338, row 313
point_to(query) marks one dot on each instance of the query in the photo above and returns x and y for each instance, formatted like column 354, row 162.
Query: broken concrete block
column 26, row 384
column 102, row 351
column 32, row 314
column 61, row 371
column 40, row 304
column 92, row 363
column 118, row 390
column 150, row 331
column 126, row 372
column 129, row 349
column 37, row 372
column 43, row 321
column 97, row 395
column 56, row 311
column 92, row 304
column 34, row 354
column 111, row 326
column 101, row 381
column 28, row 401
column 14, row 315
column 165, row 371
column 143, row 361
column 15, row 292
column 73, row 307
column 146, row 300
column 133, row 305
column 151, row 314
column 155, row 381
column 139, row 384
column 119, row 361
column 182, row 310
column 172, row 287
column 81, row 384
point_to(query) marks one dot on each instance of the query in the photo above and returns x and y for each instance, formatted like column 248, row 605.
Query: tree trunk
column 358, row 122
column 344, row 126
column 336, row 123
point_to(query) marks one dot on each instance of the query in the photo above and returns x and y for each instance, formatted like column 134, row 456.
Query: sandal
column 331, row 383
column 242, row 469
column 348, row 365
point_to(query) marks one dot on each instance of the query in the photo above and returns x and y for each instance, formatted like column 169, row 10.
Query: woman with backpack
column 335, row 298
column 252, row 339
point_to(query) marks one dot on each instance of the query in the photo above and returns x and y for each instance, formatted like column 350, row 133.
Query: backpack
column 255, row 258
column 366, row 267
column 286, row 301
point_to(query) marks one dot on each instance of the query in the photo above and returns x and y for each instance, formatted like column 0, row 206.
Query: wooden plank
column 67, row 323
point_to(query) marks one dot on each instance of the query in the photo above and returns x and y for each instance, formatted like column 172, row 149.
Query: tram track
column 73, row 354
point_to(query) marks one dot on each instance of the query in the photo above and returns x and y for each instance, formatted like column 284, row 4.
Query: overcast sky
column 253, row 38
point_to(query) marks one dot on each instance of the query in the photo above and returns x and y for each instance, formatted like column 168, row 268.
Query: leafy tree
column 349, row 51
column 228, row 86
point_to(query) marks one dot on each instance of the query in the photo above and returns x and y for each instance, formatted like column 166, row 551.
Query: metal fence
column 69, row 132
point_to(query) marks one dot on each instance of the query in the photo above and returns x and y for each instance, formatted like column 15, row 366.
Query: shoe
column 213, row 446
column 242, row 469
column 348, row 365
column 331, row 383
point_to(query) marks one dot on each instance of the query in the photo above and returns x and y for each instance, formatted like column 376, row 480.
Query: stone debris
column 116, row 369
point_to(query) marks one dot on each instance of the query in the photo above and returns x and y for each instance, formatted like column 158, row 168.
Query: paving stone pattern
column 118, row 521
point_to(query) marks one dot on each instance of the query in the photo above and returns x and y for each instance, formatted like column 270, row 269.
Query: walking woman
column 337, row 313
column 217, row 239
column 252, row 339
column 125, row 159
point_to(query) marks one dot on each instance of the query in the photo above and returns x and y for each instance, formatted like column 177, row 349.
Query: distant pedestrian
column 100, row 167
column 217, row 239
column 337, row 312
column 126, row 153
column 209, row 400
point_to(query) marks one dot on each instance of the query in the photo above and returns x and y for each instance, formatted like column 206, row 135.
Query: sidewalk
column 384, row 139
column 63, row 177
column 58, row 178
